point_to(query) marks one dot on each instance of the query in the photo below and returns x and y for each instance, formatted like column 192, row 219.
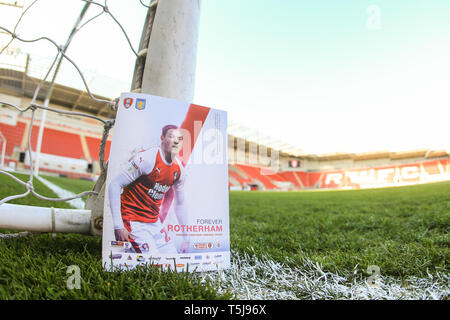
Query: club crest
column 140, row 104
column 127, row 102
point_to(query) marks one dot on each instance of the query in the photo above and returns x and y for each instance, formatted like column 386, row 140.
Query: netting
column 33, row 105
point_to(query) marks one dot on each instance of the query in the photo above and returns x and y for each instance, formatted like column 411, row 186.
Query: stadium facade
column 70, row 147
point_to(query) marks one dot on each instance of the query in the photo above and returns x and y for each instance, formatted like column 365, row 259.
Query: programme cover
column 166, row 199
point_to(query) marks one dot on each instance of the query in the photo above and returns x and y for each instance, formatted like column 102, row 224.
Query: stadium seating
column 58, row 142
column 238, row 175
column 63, row 145
column 13, row 135
column 315, row 180
column 291, row 177
column 255, row 174
column 94, row 147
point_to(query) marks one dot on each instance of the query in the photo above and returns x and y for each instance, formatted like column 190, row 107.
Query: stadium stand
column 255, row 174
column 59, row 143
column 66, row 149
column 71, row 145
column 74, row 152
column 292, row 177
column 94, row 147
column 13, row 135
column 237, row 178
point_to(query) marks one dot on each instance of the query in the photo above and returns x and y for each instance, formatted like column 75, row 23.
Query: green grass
column 9, row 187
column 74, row 185
column 35, row 267
column 402, row 230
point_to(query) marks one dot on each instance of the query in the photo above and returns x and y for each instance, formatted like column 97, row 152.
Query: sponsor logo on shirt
column 158, row 191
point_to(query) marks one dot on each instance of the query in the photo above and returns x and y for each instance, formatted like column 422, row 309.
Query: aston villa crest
column 140, row 104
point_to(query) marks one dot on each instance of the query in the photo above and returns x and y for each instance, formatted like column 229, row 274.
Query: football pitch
column 387, row 243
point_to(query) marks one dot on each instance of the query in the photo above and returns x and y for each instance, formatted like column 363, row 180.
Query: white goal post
column 171, row 27
column 43, row 219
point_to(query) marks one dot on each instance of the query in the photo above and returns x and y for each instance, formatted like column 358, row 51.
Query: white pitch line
column 256, row 278
column 14, row 235
column 78, row 203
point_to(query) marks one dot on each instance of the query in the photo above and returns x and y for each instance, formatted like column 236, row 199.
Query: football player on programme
column 145, row 180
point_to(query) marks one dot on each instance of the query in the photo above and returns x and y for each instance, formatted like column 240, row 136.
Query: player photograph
column 145, row 181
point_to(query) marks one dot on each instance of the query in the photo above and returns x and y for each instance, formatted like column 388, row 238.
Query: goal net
column 164, row 18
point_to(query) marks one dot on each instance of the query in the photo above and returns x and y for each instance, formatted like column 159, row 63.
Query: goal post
column 44, row 219
column 171, row 55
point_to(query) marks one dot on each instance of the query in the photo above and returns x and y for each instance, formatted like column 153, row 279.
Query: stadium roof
column 18, row 78
column 18, row 83
column 423, row 153
column 252, row 135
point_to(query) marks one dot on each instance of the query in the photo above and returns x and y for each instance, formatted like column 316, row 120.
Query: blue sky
column 316, row 74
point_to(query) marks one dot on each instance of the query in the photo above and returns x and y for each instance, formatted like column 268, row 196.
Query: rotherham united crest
column 127, row 102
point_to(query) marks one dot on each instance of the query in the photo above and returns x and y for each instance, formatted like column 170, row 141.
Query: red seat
column 94, row 147
column 255, row 173
column 13, row 135
column 57, row 142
